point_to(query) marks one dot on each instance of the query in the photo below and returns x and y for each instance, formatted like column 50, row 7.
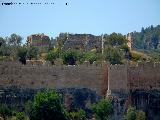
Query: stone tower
column 129, row 40
column 38, row 40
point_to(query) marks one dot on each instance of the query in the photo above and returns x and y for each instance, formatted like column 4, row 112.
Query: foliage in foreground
column 5, row 111
column 103, row 109
column 47, row 106
column 77, row 115
column 133, row 114
column 20, row 116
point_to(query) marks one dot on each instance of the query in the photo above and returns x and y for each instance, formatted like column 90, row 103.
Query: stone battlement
column 54, row 76
column 92, row 76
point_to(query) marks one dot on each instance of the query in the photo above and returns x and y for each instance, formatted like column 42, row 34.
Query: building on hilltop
column 38, row 40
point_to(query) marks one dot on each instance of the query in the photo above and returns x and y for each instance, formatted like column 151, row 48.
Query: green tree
column 5, row 111
column 2, row 41
column 5, row 49
column 116, row 39
column 77, row 115
column 10, row 51
column 22, row 54
column 113, row 55
column 61, row 40
column 103, row 109
column 20, row 116
column 126, row 50
column 131, row 113
column 15, row 39
column 70, row 57
column 141, row 115
column 33, row 53
column 51, row 56
column 91, row 57
column 47, row 106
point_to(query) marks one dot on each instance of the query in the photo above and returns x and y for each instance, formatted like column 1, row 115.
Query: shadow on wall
column 148, row 101
column 73, row 98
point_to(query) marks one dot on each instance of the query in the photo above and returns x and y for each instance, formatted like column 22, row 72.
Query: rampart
column 144, row 76
column 122, row 78
column 93, row 77
column 138, row 85
column 118, row 78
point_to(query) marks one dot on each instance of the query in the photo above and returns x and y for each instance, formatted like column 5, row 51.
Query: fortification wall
column 118, row 78
column 93, row 77
column 144, row 76
column 138, row 85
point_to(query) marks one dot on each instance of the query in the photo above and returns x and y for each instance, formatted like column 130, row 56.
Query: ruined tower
column 38, row 40
column 129, row 40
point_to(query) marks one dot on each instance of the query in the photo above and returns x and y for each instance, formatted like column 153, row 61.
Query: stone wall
column 138, row 85
column 38, row 40
column 122, row 78
column 144, row 76
column 93, row 77
column 118, row 78
column 85, row 42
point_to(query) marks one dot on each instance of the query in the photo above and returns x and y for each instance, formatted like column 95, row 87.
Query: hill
column 147, row 41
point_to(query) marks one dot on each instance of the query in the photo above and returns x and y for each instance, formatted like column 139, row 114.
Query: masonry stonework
column 143, row 76
column 130, row 85
column 93, row 77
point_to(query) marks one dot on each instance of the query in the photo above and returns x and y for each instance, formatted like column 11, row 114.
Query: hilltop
column 77, row 48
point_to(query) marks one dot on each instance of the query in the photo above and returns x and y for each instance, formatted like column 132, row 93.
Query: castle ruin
column 38, row 40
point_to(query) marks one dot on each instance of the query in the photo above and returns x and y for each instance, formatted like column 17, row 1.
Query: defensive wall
column 144, row 76
column 137, row 85
column 122, row 78
column 83, row 84
column 93, row 77
column 127, row 77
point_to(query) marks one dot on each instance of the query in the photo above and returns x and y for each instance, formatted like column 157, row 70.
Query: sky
column 78, row 16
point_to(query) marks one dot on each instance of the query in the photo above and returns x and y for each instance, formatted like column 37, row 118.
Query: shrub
column 79, row 115
column 131, row 113
column 141, row 115
column 46, row 106
column 20, row 115
column 5, row 111
column 103, row 109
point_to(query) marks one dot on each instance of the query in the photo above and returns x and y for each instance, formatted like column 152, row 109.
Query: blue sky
column 79, row 16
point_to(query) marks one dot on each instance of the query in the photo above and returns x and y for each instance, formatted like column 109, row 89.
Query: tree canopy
column 103, row 109
column 47, row 106
column 15, row 39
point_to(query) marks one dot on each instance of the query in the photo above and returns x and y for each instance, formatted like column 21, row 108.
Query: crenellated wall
column 144, row 76
column 138, row 85
column 118, row 78
column 93, row 76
